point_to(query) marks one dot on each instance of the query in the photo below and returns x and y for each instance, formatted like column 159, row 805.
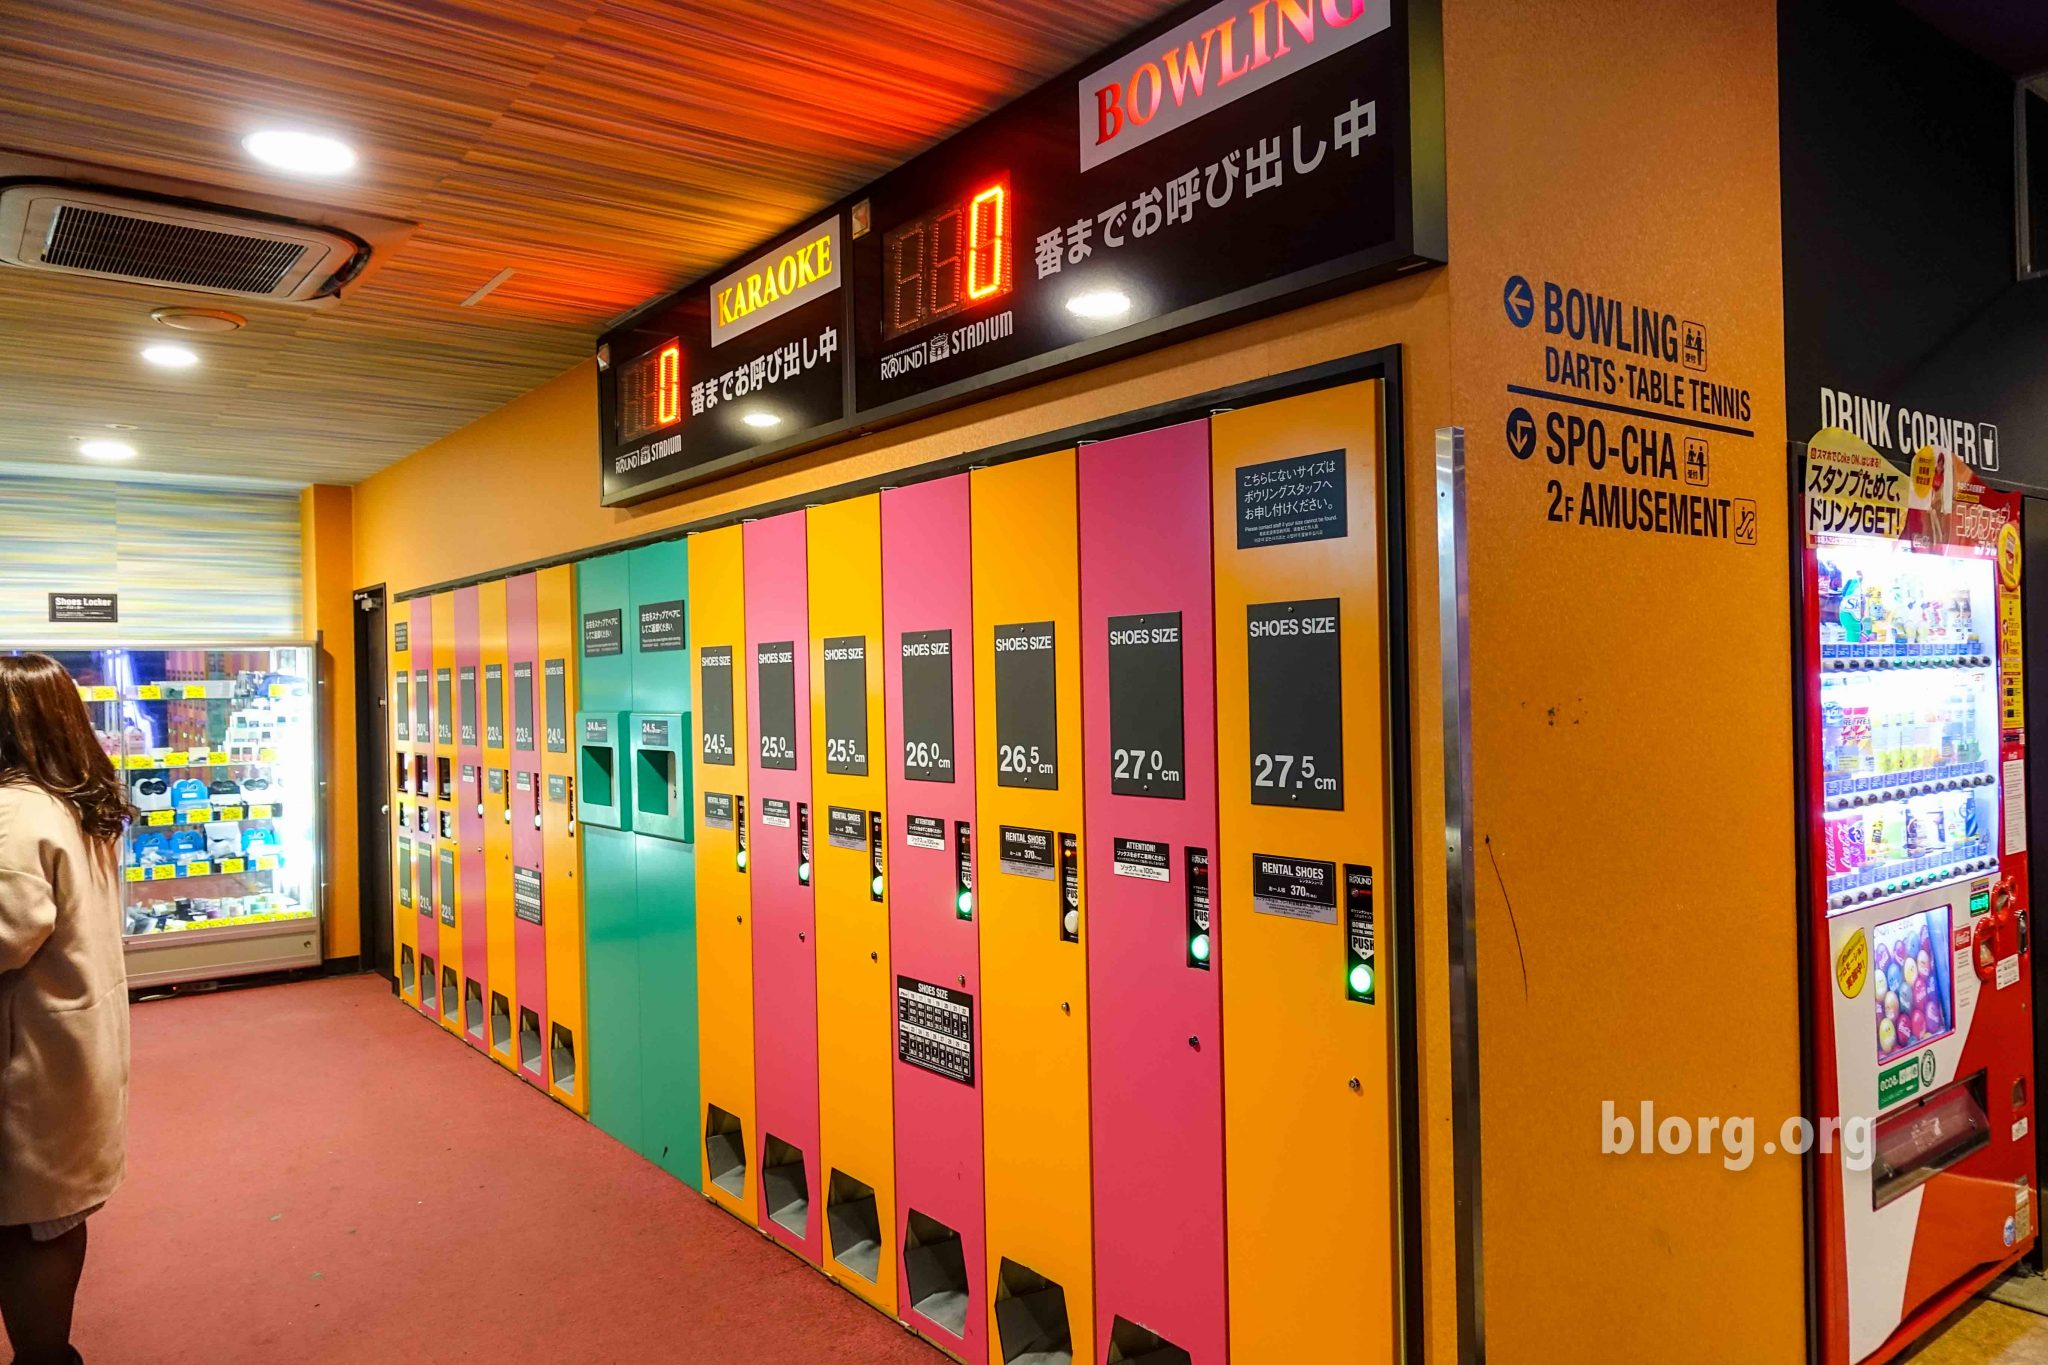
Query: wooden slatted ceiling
column 606, row 150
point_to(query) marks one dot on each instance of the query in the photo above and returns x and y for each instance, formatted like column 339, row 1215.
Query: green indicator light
column 740, row 860
column 1361, row 980
column 1198, row 949
column 803, row 871
column 875, row 885
column 965, row 902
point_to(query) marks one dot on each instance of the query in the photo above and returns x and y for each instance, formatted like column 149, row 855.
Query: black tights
column 38, row 1284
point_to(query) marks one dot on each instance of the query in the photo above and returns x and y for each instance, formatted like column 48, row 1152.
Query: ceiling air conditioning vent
column 141, row 240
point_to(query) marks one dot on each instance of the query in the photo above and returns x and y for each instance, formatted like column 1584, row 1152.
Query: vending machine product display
column 1309, row 1053
column 406, row 802
column 220, row 869
column 449, row 901
column 427, row 814
column 779, row 872
column 1155, row 948
column 555, row 594
column 1031, row 896
column 1916, row 825
column 500, row 887
column 725, row 943
column 473, row 918
column 534, row 892
column 934, row 947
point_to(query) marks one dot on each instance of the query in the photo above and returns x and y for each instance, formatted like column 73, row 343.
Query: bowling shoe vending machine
column 779, row 870
column 934, row 945
column 1918, row 901
column 850, row 896
column 719, row 765
column 448, row 832
column 407, row 802
column 555, row 593
column 472, row 917
column 427, row 817
column 532, row 888
column 499, row 955
column 610, row 869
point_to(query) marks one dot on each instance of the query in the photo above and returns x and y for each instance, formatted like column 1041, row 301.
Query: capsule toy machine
column 779, row 877
column 663, row 815
column 725, row 943
column 610, row 870
column 1918, row 900
column 405, row 804
column 934, row 943
column 531, row 888
column 1303, row 784
column 856, row 991
column 472, row 918
column 555, row 593
column 448, row 901
column 426, row 812
column 1155, row 950
column 1031, row 893
column 500, row 954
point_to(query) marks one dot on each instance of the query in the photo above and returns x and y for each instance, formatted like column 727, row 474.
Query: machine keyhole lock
column 1066, row 1008
column 962, row 978
column 1195, row 1042
column 1356, row 1088
column 800, row 938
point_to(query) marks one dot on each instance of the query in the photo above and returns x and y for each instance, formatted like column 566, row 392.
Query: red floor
column 316, row 1175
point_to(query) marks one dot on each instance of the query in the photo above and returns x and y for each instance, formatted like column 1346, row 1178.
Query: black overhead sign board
column 1235, row 158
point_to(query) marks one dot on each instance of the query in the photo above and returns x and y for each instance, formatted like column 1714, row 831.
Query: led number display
column 953, row 258
column 651, row 391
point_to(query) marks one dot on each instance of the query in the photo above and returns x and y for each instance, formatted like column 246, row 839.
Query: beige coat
column 63, row 1015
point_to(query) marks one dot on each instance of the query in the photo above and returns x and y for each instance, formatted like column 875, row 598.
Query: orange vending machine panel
column 500, row 952
column 406, row 803
column 556, row 591
column 1033, row 907
column 447, row 806
column 725, row 942
column 1302, row 795
column 856, row 990
column 426, row 819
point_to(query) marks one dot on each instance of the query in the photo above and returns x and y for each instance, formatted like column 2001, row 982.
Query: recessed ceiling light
column 165, row 355
column 757, row 418
column 106, row 450
column 199, row 319
column 1100, row 303
column 300, row 153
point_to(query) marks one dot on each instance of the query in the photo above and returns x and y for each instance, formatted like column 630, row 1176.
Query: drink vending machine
column 1922, row 1062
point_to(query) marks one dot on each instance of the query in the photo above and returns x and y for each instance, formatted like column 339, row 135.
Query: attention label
column 1145, row 859
column 935, row 1029
column 775, row 812
column 926, row 832
column 1295, row 888
column 1026, row 852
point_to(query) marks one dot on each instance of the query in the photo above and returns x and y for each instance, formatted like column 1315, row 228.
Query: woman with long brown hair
column 63, row 1000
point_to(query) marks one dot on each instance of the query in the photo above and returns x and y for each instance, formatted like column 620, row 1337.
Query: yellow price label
column 105, row 693
column 195, row 691
column 133, row 874
column 266, row 864
column 266, row 755
column 232, row 865
column 149, row 692
column 140, row 761
column 218, row 758
column 279, row 690
column 176, row 758
column 262, row 812
column 159, row 817
column 162, row 872
column 199, row 869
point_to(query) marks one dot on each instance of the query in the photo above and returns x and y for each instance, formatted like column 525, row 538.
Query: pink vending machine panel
column 778, row 871
column 934, row 941
column 429, row 817
column 469, row 816
column 529, row 937
column 1155, row 954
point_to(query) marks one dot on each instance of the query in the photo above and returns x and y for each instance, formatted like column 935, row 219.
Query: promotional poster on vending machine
column 1921, row 1036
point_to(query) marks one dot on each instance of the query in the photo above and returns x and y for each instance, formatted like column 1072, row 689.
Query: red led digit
column 945, row 266
column 988, row 264
column 906, row 274
column 668, row 392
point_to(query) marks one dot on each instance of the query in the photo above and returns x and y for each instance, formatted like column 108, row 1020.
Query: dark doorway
column 373, row 803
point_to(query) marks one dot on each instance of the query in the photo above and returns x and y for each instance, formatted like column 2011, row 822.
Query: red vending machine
column 529, row 933
column 1921, row 1028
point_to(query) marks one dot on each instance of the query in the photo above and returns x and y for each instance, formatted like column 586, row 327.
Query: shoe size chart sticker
column 935, row 1029
column 1145, row 859
column 1294, row 888
column 526, row 893
column 1026, row 852
column 926, row 832
column 718, row 810
column 927, row 658
column 714, row 692
column 1027, row 707
column 846, row 827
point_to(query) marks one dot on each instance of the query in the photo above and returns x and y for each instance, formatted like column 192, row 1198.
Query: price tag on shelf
column 266, row 864
column 149, row 692
column 158, row 817
column 280, row 690
column 175, row 758
column 266, row 755
column 262, row 812
column 230, row 865
column 106, row 693
column 198, row 869
column 218, row 758
column 139, row 761
column 132, row 874
column 224, row 813
column 162, row 872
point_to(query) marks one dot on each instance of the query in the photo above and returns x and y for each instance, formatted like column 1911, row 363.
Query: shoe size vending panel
column 657, row 757
column 610, row 869
column 934, row 943
column 500, row 953
column 779, row 869
column 427, row 812
column 555, row 592
column 531, row 888
column 1031, row 896
column 473, row 916
column 1154, row 951
column 856, row 991
column 406, row 802
column 725, row 941
column 1301, row 792
column 447, row 804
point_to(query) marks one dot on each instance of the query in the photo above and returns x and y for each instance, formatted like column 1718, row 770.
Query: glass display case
column 217, row 744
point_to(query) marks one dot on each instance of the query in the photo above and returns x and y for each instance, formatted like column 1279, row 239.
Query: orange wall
column 327, row 577
column 1631, row 694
